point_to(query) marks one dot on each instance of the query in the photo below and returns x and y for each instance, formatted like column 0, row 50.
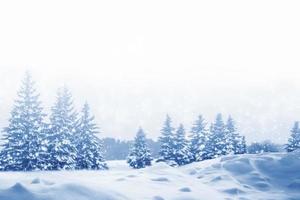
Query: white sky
column 135, row 61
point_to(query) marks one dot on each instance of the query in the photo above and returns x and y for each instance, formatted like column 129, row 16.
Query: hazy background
column 136, row 61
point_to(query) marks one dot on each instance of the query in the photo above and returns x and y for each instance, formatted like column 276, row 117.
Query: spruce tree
column 23, row 148
column 61, row 133
column 166, row 141
column 181, row 152
column 294, row 140
column 89, row 146
column 241, row 145
column 231, row 136
column 235, row 143
column 139, row 155
column 198, row 140
column 216, row 145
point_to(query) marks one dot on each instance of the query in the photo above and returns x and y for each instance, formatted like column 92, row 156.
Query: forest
column 68, row 140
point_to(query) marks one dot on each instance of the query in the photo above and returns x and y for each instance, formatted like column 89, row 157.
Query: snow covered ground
column 265, row 176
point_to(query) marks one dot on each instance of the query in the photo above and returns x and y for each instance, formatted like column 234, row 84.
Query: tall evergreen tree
column 23, row 148
column 294, row 140
column 62, row 129
column 216, row 145
column 198, row 140
column 181, row 152
column 235, row 143
column 139, row 155
column 231, row 136
column 166, row 141
column 89, row 146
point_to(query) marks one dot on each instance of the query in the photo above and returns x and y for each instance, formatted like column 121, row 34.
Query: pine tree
column 216, row 145
column 89, row 146
column 139, row 155
column 235, row 143
column 166, row 141
column 181, row 151
column 23, row 148
column 294, row 140
column 198, row 140
column 62, row 129
column 241, row 145
column 231, row 137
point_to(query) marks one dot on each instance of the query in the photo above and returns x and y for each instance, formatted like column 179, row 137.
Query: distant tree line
column 263, row 147
column 115, row 149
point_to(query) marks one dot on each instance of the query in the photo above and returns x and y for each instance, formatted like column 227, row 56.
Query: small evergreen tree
column 241, row 145
column 198, row 140
column 216, row 145
column 89, row 147
column 294, row 140
column 23, row 148
column 139, row 155
column 181, row 151
column 166, row 141
column 61, row 133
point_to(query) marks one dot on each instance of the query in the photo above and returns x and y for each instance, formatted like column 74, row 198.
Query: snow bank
column 265, row 176
column 67, row 191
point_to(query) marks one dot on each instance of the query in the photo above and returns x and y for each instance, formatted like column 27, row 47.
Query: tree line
column 116, row 149
column 176, row 148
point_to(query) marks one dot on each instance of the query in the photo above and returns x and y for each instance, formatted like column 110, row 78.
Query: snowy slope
column 265, row 176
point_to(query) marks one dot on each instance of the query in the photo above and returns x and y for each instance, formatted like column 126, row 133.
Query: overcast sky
column 136, row 61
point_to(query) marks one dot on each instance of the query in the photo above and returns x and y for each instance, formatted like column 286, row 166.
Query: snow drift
column 264, row 176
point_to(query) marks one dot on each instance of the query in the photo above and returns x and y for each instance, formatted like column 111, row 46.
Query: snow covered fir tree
column 236, row 144
column 24, row 145
column 139, row 155
column 241, row 145
column 294, row 140
column 181, row 151
column 198, row 140
column 217, row 143
column 62, row 146
column 89, row 147
column 167, row 142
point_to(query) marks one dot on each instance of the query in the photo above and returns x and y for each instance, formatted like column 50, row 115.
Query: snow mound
column 158, row 198
column 63, row 192
column 270, row 176
column 17, row 192
column 185, row 189
column 160, row 179
column 36, row 181
column 78, row 192
column 159, row 166
column 243, row 177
